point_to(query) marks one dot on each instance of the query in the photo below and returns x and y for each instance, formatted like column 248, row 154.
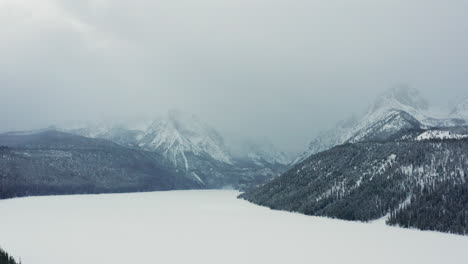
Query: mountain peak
column 178, row 134
column 401, row 98
column 399, row 108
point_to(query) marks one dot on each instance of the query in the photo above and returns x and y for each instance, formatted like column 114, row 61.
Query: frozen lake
column 202, row 227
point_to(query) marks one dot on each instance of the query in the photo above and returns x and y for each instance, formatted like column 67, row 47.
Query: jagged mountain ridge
column 418, row 178
column 398, row 109
column 179, row 134
column 196, row 150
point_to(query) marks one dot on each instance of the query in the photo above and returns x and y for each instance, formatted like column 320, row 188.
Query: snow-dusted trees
column 422, row 184
column 444, row 209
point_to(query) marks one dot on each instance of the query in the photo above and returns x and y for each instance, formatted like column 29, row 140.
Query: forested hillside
column 7, row 259
column 58, row 163
column 417, row 183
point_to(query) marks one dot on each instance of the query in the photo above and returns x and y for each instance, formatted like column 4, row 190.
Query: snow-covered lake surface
column 203, row 227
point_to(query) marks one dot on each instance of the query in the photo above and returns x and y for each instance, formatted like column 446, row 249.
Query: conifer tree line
column 6, row 259
column 421, row 184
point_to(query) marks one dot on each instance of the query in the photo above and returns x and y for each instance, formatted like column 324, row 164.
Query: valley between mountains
column 401, row 161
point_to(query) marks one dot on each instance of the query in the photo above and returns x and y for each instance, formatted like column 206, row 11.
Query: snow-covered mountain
column 415, row 179
column 120, row 134
column 260, row 151
column 194, row 149
column 327, row 139
column 178, row 135
column 175, row 135
column 262, row 154
column 396, row 110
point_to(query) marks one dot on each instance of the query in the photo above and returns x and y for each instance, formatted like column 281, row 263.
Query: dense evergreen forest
column 52, row 163
column 444, row 208
column 7, row 259
column 420, row 184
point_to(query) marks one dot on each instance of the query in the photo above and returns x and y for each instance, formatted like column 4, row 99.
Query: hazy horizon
column 279, row 69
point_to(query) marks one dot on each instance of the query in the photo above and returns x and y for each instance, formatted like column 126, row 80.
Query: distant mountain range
column 176, row 151
column 397, row 109
column 397, row 162
column 196, row 150
column 400, row 161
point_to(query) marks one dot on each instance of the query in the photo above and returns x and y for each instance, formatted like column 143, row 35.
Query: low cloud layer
column 251, row 68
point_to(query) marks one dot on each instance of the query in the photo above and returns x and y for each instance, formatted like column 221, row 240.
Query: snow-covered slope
column 440, row 134
column 178, row 135
column 396, row 110
column 119, row 134
column 194, row 149
column 327, row 139
column 368, row 180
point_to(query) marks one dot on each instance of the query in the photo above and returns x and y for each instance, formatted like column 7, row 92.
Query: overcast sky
column 284, row 69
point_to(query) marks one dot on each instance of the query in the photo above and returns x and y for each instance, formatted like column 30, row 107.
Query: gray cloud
column 285, row 69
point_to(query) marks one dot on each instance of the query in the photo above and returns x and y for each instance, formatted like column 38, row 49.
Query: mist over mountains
column 175, row 151
column 225, row 113
column 398, row 158
column 400, row 162
column 399, row 108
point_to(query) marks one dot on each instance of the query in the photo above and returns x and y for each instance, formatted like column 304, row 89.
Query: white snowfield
column 437, row 134
column 203, row 227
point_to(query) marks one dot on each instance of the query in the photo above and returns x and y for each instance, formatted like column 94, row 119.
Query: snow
column 438, row 134
column 388, row 105
column 198, row 178
column 175, row 134
column 185, row 141
column 386, row 164
column 203, row 227
column 179, row 133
